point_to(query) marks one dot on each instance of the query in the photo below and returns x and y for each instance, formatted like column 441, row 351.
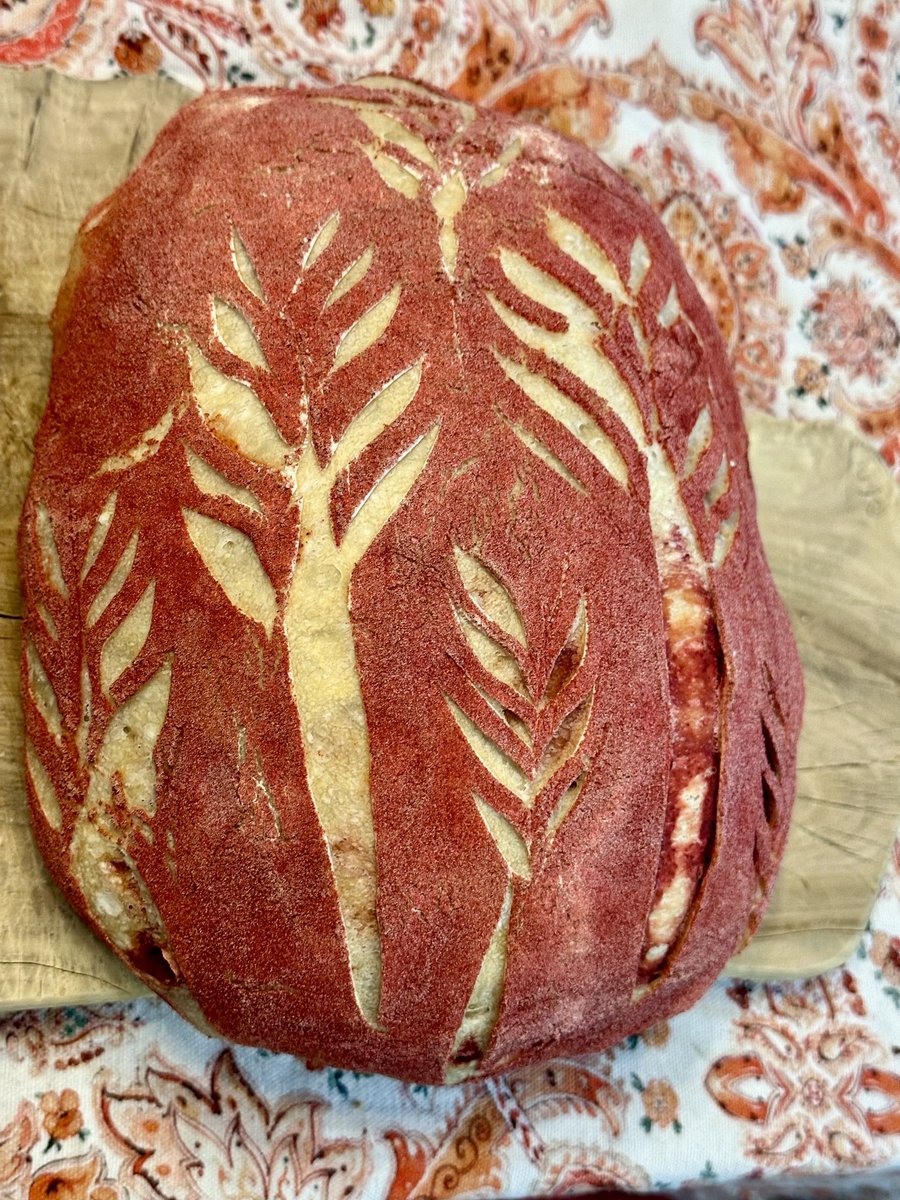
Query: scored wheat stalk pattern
column 540, row 753
column 315, row 612
column 535, row 746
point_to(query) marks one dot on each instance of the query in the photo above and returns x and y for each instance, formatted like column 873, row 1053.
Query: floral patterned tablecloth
column 767, row 135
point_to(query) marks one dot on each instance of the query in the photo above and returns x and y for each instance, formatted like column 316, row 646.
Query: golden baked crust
column 405, row 686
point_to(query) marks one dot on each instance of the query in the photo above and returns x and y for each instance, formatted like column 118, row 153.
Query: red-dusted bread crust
column 642, row 642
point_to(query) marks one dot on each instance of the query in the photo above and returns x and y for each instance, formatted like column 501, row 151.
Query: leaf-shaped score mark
column 725, row 536
column 698, row 442
column 640, row 262
column 114, row 583
column 526, row 786
column 126, row 642
column 236, row 334
column 582, row 249
column 243, row 265
column 49, row 554
column 574, row 348
column 43, row 788
column 128, row 747
column 42, row 692
column 234, row 412
column 719, row 486
column 99, row 534
column 389, row 131
column 506, row 837
column 145, row 447
column 321, row 240
column 393, row 132
column 495, row 659
column 232, row 561
column 386, row 497
column 570, row 656
column 489, row 595
column 386, row 406
column 671, row 309
column 213, row 483
column 448, row 202
column 398, row 177
column 497, row 173
column 348, row 279
column 367, row 329
column 483, row 1008
column 573, row 418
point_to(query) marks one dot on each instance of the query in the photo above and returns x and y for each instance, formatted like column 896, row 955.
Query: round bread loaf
column 405, row 685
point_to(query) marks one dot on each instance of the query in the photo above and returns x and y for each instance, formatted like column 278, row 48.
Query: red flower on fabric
column 850, row 332
column 138, row 53
column 886, row 949
column 872, row 34
column 660, row 1102
column 62, row 1114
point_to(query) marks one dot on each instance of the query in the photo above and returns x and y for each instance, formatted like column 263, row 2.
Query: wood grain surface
column 829, row 513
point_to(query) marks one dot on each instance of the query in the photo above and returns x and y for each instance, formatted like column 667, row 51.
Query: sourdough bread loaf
column 405, row 686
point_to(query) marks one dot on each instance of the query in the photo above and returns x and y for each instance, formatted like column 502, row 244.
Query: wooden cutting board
column 830, row 518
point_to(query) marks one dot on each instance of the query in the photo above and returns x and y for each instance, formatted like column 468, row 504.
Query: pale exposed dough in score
column 505, row 159
column 244, row 267
column 49, row 552
column 234, row 412
column 483, row 1007
column 526, row 786
column 507, row 838
column 725, row 536
column 232, row 561
column 396, row 175
column 99, row 533
column 213, row 483
column 448, row 201
column 353, row 275
column 236, row 334
column 495, row 659
column 569, row 414
column 47, row 618
column 489, row 595
column 148, row 445
column 43, row 788
column 547, row 457
column 368, row 329
column 128, row 748
column 640, row 263
column 719, row 485
column 582, row 249
column 388, row 129
column 699, row 440
column 322, row 239
column 42, row 692
column 115, row 583
column 126, row 642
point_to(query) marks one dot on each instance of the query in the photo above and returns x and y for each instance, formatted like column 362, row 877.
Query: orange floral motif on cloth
column 810, row 1080
column 63, row 1038
column 520, row 1116
column 766, row 133
column 235, row 1142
